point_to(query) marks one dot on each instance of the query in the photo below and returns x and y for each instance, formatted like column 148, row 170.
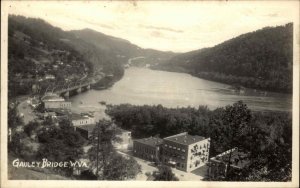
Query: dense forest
column 262, row 59
column 266, row 135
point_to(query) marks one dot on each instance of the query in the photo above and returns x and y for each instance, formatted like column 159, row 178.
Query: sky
column 178, row 26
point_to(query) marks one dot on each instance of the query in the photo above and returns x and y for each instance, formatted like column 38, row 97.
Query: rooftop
column 238, row 159
column 59, row 111
column 121, row 131
column 78, row 116
column 52, row 97
column 88, row 128
column 185, row 138
column 151, row 141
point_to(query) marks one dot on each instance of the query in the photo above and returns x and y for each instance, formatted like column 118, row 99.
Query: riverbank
column 246, row 82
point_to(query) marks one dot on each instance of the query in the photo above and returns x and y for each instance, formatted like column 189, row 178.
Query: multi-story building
column 84, row 124
column 53, row 101
column 185, row 152
column 182, row 151
column 147, row 148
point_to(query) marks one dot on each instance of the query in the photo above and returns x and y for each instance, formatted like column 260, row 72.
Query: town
column 187, row 155
column 99, row 107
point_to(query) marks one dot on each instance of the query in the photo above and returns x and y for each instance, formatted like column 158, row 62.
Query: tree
column 272, row 161
column 61, row 143
column 14, row 119
column 16, row 145
column 102, row 148
column 108, row 164
column 30, row 127
column 87, row 175
column 164, row 173
column 229, row 127
column 120, row 168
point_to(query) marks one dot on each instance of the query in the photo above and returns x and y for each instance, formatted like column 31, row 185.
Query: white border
column 64, row 183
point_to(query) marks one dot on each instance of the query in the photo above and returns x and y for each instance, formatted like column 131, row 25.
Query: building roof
column 59, row 111
column 121, row 131
column 238, row 159
column 151, row 141
column 78, row 117
column 88, row 128
column 185, row 138
column 52, row 97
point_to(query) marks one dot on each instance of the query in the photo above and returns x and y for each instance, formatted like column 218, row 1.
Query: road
column 145, row 167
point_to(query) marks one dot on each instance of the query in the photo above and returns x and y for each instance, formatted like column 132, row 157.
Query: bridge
column 65, row 89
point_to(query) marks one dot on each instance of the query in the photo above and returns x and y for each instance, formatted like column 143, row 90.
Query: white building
column 78, row 120
column 185, row 152
column 83, row 124
column 125, row 139
column 53, row 101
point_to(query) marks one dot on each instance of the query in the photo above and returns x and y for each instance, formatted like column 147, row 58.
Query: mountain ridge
column 260, row 59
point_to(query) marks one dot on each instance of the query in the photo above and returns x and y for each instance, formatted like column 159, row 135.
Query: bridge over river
column 66, row 89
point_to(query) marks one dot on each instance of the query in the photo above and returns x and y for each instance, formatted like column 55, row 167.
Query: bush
column 87, row 175
column 30, row 127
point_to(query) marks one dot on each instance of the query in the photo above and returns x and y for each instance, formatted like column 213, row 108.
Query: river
column 141, row 86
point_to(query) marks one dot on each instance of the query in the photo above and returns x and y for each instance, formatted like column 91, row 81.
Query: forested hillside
column 37, row 57
column 42, row 53
column 121, row 49
column 262, row 60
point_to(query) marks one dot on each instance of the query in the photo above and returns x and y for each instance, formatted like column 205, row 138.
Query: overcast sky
column 175, row 26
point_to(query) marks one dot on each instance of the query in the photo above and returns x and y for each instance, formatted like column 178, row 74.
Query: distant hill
column 34, row 45
column 121, row 49
column 261, row 59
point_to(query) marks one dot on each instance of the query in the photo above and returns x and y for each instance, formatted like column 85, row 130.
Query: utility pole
column 9, row 134
column 98, row 141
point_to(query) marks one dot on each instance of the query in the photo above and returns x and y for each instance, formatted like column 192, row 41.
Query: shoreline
column 182, row 70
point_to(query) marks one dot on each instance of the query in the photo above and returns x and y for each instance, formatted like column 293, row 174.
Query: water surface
column 141, row 86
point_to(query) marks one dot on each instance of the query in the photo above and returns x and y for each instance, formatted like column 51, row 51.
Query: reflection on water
column 141, row 86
